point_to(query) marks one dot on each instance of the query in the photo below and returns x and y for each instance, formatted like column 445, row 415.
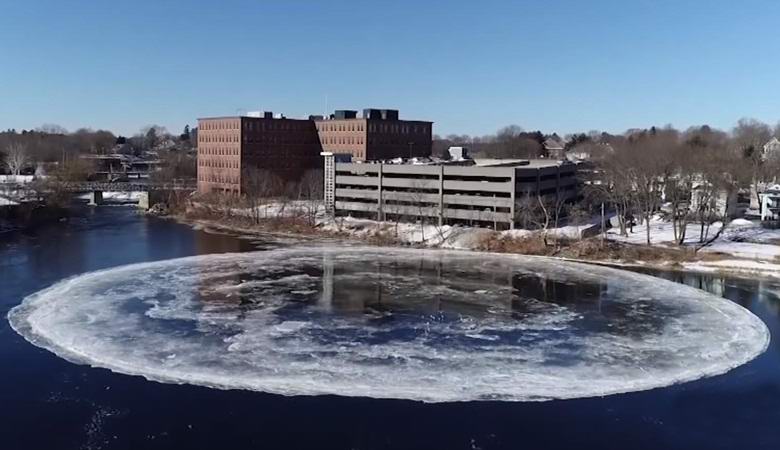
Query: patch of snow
column 18, row 179
column 742, row 223
column 7, row 202
column 116, row 196
column 661, row 233
column 744, row 249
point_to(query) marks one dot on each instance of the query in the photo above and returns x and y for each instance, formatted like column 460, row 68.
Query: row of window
column 218, row 151
column 340, row 126
column 397, row 128
column 276, row 139
column 344, row 140
column 392, row 140
column 217, row 137
column 268, row 125
column 276, row 125
column 219, row 163
column 218, row 125
column 217, row 178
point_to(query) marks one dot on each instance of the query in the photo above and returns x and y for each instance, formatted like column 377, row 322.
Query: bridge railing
column 118, row 186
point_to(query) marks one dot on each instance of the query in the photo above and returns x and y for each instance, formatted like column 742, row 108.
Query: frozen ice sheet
column 432, row 326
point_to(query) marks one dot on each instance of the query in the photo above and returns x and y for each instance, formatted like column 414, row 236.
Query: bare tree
column 714, row 166
column 420, row 197
column 311, row 191
column 649, row 164
column 612, row 184
column 749, row 137
column 540, row 212
column 17, row 158
column 175, row 165
column 678, row 186
column 259, row 186
column 74, row 169
column 52, row 128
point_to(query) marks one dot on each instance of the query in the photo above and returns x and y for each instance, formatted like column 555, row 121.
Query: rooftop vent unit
column 389, row 114
column 268, row 115
column 345, row 114
column 372, row 114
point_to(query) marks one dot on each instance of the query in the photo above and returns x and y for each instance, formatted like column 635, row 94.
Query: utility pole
column 603, row 225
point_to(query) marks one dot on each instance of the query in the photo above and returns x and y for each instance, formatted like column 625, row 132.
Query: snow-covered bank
column 4, row 201
column 116, row 196
column 741, row 247
column 661, row 233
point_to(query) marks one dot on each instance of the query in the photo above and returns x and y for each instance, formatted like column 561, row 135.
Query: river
column 49, row 402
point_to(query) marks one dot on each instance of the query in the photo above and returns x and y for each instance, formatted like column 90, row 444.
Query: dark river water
column 48, row 402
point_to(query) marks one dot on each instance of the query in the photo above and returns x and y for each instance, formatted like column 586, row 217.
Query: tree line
column 508, row 142
column 696, row 175
column 690, row 176
column 60, row 152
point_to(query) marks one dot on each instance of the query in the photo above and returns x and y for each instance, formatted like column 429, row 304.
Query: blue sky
column 470, row 66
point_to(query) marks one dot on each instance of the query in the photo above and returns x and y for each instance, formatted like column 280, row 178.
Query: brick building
column 229, row 145
column 378, row 135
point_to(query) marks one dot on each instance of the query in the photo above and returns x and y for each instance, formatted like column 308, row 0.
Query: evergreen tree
column 185, row 136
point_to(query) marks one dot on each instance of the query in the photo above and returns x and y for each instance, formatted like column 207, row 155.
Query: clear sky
column 471, row 66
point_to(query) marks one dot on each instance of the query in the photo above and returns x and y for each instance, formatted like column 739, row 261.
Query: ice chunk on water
column 392, row 323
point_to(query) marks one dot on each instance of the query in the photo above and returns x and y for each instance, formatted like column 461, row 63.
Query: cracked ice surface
column 392, row 323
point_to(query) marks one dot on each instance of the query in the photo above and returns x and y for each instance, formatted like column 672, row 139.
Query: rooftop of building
column 553, row 143
column 252, row 116
column 478, row 162
column 368, row 114
column 339, row 114
column 530, row 163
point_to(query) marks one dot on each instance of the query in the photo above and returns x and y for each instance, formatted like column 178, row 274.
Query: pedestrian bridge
column 28, row 191
column 128, row 186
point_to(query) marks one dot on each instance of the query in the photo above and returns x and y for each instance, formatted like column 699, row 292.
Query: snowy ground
column 661, row 233
column 430, row 235
column 4, row 201
column 16, row 178
column 743, row 245
column 409, row 233
column 741, row 238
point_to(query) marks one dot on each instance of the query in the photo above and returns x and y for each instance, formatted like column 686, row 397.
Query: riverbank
column 29, row 215
column 725, row 255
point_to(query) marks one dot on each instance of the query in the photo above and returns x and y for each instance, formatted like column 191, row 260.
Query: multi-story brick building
column 378, row 135
column 228, row 146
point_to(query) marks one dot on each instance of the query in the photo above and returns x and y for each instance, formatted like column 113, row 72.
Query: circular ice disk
column 434, row 326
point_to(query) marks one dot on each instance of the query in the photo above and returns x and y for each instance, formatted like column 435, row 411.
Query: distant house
column 586, row 156
column 458, row 153
column 722, row 203
column 772, row 149
column 588, row 150
column 166, row 144
column 770, row 202
column 554, row 147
